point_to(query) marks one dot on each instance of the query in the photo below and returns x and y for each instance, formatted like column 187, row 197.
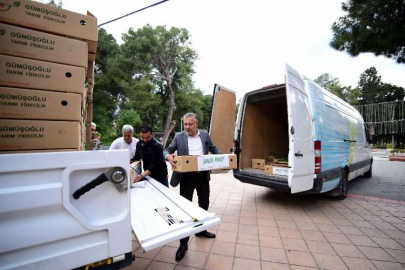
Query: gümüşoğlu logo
column 2, row 32
column 5, row 6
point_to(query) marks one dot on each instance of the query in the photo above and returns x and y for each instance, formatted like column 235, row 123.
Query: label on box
column 281, row 171
column 210, row 162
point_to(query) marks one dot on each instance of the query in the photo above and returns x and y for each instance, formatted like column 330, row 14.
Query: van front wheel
column 343, row 186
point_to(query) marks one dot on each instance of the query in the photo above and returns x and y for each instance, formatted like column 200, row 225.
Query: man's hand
column 138, row 178
column 171, row 160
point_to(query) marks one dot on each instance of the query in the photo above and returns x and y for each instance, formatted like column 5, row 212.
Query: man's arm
column 167, row 154
column 157, row 152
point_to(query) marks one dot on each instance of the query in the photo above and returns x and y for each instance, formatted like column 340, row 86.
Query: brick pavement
column 265, row 229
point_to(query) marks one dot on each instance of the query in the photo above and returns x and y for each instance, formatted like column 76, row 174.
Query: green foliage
column 389, row 145
column 129, row 117
column 370, row 88
column 131, row 82
column 53, row 3
column 376, row 26
column 373, row 90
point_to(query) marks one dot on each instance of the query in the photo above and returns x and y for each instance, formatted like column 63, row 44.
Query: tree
column 371, row 87
column 373, row 90
column 166, row 58
column 129, row 117
column 332, row 84
column 107, row 90
column 53, row 3
column 376, row 26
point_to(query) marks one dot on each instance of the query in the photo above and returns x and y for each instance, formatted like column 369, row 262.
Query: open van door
column 301, row 154
column 222, row 123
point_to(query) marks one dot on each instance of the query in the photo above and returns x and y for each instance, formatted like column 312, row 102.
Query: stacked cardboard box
column 46, row 59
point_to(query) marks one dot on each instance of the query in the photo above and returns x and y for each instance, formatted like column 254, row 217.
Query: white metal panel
column 43, row 227
column 301, row 152
column 161, row 216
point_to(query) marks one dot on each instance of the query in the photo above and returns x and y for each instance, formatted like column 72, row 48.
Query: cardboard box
column 276, row 169
column 259, row 163
column 17, row 103
column 134, row 170
column 89, row 112
column 22, row 42
column 91, row 57
column 34, row 74
column 205, row 162
column 35, row 135
column 49, row 19
column 37, row 151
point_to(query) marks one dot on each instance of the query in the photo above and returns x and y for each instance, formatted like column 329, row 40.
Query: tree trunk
column 169, row 123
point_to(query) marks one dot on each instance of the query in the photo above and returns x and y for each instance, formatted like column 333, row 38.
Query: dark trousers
column 198, row 181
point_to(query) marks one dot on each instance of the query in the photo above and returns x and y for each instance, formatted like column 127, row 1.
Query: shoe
column 181, row 251
column 205, row 234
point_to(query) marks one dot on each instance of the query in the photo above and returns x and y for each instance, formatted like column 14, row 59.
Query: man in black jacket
column 150, row 151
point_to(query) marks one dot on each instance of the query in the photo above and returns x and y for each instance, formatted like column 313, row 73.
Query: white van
column 322, row 136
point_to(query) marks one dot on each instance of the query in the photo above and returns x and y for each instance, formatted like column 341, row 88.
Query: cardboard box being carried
column 205, row 162
column 22, row 42
column 35, row 135
column 27, row 73
column 17, row 103
column 50, row 19
column 259, row 163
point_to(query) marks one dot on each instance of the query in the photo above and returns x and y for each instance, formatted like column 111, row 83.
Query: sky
column 243, row 45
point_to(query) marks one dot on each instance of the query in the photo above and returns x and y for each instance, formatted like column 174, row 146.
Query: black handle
column 87, row 187
column 351, row 141
column 299, row 155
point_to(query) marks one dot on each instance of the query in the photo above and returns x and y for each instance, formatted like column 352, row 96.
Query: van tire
column 369, row 173
column 343, row 186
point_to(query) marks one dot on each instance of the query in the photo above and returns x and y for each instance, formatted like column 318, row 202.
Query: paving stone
column 273, row 255
column 345, row 250
column 301, row 258
column 320, row 248
column 388, row 265
column 359, row 264
column 329, row 262
column 376, row 254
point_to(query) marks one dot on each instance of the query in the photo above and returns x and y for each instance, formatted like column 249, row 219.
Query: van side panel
column 339, row 128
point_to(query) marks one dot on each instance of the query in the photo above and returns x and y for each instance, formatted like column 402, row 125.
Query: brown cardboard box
column 37, row 151
column 91, row 57
column 207, row 162
column 258, row 163
column 20, row 103
column 49, row 19
column 27, row 73
column 276, row 169
column 35, row 135
column 90, row 70
column 22, row 42
column 89, row 112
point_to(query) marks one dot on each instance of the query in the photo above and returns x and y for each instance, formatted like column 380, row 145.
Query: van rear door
column 222, row 122
column 300, row 124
